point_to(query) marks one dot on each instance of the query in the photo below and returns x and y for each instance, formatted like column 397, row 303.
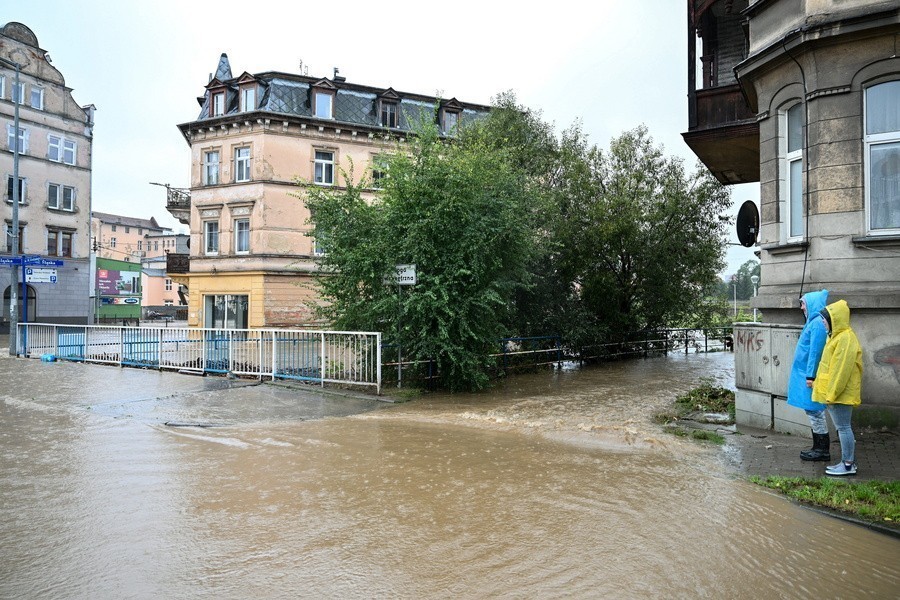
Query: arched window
column 882, row 147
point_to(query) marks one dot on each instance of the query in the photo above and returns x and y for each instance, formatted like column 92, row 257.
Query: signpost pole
column 14, row 279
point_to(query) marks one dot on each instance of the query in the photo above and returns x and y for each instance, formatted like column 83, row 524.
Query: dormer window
column 323, row 104
column 451, row 122
column 450, row 111
column 218, row 104
column 248, row 99
column 389, row 112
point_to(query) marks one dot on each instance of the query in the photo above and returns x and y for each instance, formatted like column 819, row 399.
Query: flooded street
column 555, row 484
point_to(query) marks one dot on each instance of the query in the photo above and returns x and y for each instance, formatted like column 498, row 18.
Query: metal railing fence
column 336, row 357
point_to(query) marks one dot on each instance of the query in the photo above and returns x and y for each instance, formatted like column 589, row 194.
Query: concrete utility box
column 763, row 353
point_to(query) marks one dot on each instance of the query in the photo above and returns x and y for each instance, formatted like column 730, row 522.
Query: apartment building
column 54, row 143
column 258, row 139
column 130, row 239
column 803, row 96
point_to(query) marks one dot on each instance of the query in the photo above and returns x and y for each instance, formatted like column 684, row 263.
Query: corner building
column 256, row 138
column 803, row 96
column 54, row 138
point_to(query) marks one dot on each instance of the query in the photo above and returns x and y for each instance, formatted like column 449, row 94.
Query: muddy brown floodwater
column 555, row 484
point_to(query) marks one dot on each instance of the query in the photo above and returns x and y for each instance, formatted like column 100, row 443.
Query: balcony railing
column 720, row 107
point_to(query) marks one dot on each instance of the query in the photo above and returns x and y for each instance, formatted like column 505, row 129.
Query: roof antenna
column 303, row 70
column 336, row 71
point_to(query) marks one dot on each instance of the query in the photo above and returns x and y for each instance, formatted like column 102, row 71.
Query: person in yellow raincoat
column 838, row 381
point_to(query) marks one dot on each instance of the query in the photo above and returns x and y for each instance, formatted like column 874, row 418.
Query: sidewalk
column 762, row 452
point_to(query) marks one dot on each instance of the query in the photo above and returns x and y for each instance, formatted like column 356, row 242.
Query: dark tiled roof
column 358, row 105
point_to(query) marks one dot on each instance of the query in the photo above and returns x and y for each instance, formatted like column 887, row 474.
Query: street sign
column 10, row 260
column 405, row 275
column 37, row 261
column 40, row 275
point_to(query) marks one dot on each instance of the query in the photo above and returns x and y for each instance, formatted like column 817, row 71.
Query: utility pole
column 14, row 267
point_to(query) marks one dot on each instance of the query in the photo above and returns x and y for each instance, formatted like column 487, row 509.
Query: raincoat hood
column 815, row 302
column 840, row 316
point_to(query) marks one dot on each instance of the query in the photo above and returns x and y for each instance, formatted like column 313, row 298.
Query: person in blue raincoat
column 803, row 374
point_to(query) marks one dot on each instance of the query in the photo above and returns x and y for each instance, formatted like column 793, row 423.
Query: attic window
column 248, row 98
column 389, row 113
column 450, row 123
column 323, row 104
column 218, row 104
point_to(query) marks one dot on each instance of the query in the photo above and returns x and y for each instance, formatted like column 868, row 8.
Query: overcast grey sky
column 611, row 64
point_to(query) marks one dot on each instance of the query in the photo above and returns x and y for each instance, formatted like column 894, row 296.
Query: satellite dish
column 748, row 224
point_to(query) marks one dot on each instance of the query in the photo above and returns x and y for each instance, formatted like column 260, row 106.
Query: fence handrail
column 340, row 357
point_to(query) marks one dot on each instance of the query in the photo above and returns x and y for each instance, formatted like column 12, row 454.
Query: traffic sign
column 405, row 275
column 10, row 260
column 40, row 275
column 38, row 261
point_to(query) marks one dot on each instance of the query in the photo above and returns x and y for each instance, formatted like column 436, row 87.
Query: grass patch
column 400, row 395
column 706, row 398
column 873, row 501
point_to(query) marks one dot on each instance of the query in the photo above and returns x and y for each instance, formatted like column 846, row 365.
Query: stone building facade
column 258, row 140
column 820, row 84
column 54, row 138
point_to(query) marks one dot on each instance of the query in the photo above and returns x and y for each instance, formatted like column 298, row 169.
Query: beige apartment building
column 54, row 141
column 256, row 138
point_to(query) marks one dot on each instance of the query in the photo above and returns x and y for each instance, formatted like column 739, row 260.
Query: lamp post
column 14, row 278
column 734, row 285
column 754, row 279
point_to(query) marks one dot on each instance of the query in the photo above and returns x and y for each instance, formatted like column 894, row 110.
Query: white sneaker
column 841, row 468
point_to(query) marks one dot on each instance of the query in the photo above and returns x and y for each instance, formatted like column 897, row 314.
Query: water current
column 553, row 484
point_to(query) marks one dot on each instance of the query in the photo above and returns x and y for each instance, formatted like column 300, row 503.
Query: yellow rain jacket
column 840, row 371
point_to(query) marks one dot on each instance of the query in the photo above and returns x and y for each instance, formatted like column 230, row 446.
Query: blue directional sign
column 37, row 261
column 10, row 260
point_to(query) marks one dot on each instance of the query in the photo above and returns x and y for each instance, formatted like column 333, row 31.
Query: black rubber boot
column 821, row 449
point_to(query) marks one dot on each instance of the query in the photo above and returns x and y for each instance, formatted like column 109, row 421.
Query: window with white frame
column 211, row 237
column 227, row 311
column 168, row 285
column 9, row 189
column 18, row 93
column 882, row 157
column 324, row 105
column 168, row 303
column 2, row 86
column 242, row 236
column 37, row 97
column 323, row 173
column 318, row 248
column 379, row 170
column 8, row 231
column 792, row 173
column 211, row 167
column 248, row 99
column 60, row 149
column 112, row 242
column 61, row 197
column 11, row 139
column 140, row 245
column 218, row 104
column 242, row 164
column 68, row 155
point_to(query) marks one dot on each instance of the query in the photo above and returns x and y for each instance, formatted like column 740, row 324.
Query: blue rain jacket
column 808, row 353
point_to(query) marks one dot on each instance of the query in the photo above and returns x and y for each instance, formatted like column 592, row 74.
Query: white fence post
column 322, row 360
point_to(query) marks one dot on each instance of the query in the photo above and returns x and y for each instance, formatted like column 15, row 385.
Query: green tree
column 642, row 239
column 462, row 213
